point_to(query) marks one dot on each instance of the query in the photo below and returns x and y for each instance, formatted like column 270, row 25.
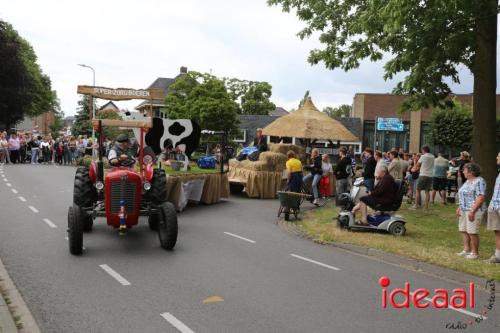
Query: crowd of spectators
column 428, row 175
column 33, row 148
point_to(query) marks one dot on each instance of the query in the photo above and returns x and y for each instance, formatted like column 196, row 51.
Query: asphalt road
column 253, row 276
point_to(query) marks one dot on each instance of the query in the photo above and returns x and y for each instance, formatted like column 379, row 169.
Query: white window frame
column 244, row 136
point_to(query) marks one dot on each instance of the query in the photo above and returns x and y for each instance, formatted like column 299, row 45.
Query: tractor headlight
column 147, row 186
column 99, row 185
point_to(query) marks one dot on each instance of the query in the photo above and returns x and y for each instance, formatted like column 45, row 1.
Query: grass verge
column 194, row 170
column 431, row 236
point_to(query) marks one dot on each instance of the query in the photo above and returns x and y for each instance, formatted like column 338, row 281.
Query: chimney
column 184, row 70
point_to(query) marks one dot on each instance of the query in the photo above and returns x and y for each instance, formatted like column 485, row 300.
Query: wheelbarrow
column 290, row 203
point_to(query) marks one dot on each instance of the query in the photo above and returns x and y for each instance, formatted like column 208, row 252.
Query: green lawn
column 431, row 236
column 194, row 170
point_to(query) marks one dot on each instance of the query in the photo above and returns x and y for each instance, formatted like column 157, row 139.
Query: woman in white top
column 4, row 148
column 472, row 197
column 45, row 147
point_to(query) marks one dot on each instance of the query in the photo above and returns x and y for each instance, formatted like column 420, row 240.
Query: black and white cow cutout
column 166, row 131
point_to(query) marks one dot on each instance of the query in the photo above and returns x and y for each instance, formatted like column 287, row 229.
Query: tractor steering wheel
column 128, row 162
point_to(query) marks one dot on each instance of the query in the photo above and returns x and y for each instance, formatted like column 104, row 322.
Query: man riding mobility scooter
column 122, row 194
column 383, row 220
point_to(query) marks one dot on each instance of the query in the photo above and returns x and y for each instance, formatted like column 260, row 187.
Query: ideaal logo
column 459, row 298
column 440, row 298
column 461, row 325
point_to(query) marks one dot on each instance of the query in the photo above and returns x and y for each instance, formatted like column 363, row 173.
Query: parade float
column 172, row 141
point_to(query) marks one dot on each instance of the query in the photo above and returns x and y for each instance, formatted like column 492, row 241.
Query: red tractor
column 122, row 194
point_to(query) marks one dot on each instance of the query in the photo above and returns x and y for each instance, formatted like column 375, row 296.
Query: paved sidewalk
column 7, row 323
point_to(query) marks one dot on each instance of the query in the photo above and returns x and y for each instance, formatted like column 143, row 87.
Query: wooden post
column 141, row 152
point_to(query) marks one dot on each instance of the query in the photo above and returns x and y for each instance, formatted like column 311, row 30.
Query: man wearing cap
column 120, row 152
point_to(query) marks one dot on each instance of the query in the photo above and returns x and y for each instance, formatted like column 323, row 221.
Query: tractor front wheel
column 167, row 225
column 75, row 230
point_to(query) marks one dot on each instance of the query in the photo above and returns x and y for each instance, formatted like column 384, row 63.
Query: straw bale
column 255, row 166
column 283, row 148
column 275, row 161
column 234, row 163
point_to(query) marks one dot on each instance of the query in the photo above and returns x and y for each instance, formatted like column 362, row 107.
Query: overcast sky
column 130, row 43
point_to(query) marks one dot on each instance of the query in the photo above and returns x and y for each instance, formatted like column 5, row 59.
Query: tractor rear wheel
column 84, row 196
column 75, row 230
column 157, row 194
column 153, row 221
column 167, row 225
column 88, row 222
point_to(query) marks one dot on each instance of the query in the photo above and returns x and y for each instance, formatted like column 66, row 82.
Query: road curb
column 397, row 260
column 415, row 265
column 17, row 303
column 7, row 324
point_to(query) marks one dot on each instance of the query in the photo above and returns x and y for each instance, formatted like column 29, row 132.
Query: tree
column 427, row 40
column 252, row 96
column 110, row 132
column 58, row 123
column 82, row 125
column 256, row 99
column 24, row 88
column 343, row 110
column 451, row 129
column 204, row 98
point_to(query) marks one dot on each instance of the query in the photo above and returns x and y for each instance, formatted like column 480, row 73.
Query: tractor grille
column 128, row 196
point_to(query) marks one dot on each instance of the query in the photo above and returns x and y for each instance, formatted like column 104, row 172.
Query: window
column 241, row 137
column 368, row 134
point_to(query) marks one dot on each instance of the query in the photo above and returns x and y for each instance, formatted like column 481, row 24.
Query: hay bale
column 283, row 148
column 255, row 166
column 275, row 161
column 234, row 163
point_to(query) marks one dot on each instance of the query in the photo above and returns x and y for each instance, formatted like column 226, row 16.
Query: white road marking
column 49, row 223
column 115, row 275
column 13, row 190
column 33, row 209
column 22, row 199
column 5, row 179
column 242, row 238
column 176, row 323
column 472, row 314
column 9, row 184
column 315, row 262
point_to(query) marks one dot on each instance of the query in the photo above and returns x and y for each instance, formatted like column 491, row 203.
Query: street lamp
column 92, row 106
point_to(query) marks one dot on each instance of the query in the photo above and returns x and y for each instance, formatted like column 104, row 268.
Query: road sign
column 390, row 124
column 120, row 94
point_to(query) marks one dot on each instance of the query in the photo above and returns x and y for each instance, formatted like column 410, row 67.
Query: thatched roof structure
column 309, row 123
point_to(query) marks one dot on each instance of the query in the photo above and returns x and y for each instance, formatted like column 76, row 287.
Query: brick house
column 368, row 107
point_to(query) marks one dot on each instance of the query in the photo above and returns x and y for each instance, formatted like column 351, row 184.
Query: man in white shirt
column 424, row 182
